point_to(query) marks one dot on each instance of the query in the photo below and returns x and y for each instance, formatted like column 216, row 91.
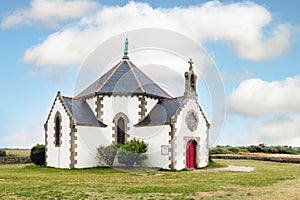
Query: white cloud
column 49, row 12
column 242, row 25
column 256, row 97
column 266, row 48
column 284, row 129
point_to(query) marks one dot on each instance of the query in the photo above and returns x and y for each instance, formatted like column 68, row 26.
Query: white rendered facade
column 167, row 141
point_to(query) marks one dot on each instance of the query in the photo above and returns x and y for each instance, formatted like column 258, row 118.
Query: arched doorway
column 191, row 154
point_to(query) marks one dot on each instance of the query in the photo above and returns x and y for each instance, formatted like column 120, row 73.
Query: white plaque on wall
column 164, row 149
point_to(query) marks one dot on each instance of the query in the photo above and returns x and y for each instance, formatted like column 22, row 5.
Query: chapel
column 122, row 104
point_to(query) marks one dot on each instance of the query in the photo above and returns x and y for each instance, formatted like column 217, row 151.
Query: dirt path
column 235, row 168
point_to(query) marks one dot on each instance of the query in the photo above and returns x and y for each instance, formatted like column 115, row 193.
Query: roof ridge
column 73, row 98
column 151, row 80
column 171, row 98
column 135, row 77
column 61, row 99
column 109, row 77
column 94, row 82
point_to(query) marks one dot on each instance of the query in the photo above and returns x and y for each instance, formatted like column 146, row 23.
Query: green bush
column 254, row 149
column 37, row 154
column 2, row 153
column 242, row 149
column 133, row 153
column 233, row 149
column 219, row 150
column 107, row 154
column 261, row 148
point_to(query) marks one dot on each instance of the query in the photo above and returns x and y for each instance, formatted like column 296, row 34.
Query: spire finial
column 191, row 63
column 126, row 49
column 126, row 46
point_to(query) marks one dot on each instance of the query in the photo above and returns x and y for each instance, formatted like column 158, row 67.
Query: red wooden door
column 190, row 155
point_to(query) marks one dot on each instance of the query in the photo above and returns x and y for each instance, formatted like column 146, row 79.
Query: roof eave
column 59, row 97
column 144, row 125
column 123, row 94
column 93, row 125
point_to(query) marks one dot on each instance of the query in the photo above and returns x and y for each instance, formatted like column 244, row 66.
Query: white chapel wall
column 184, row 131
column 58, row 156
column 125, row 104
column 155, row 137
column 91, row 102
column 88, row 140
column 151, row 102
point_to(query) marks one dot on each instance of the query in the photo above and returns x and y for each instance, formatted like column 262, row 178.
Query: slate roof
column 124, row 79
column 82, row 112
column 162, row 112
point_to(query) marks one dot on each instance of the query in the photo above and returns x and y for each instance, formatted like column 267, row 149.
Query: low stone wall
column 272, row 159
column 14, row 159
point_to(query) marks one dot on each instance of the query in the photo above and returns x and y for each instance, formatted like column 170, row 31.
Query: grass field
column 17, row 152
column 269, row 180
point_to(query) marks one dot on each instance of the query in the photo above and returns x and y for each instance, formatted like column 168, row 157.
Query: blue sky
column 255, row 45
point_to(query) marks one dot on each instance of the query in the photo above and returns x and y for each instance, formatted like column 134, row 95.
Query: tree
column 37, row 154
column 107, row 154
column 133, row 153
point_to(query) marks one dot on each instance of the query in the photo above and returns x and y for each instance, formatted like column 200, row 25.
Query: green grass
column 17, row 152
column 269, row 180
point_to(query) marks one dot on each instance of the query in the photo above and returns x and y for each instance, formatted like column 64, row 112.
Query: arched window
column 57, row 129
column 121, row 131
column 192, row 81
column 121, row 128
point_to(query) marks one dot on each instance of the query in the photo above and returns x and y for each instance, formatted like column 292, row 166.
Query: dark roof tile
column 82, row 112
column 162, row 112
column 123, row 79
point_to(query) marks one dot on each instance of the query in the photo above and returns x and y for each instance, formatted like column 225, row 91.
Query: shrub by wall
column 37, row 154
column 133, row 153
column 106, row 154
column 2, row 153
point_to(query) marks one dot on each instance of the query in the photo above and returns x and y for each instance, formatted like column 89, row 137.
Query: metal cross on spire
column 191, row 63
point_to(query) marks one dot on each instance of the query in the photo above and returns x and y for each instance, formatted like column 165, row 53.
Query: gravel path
column 234, row 168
